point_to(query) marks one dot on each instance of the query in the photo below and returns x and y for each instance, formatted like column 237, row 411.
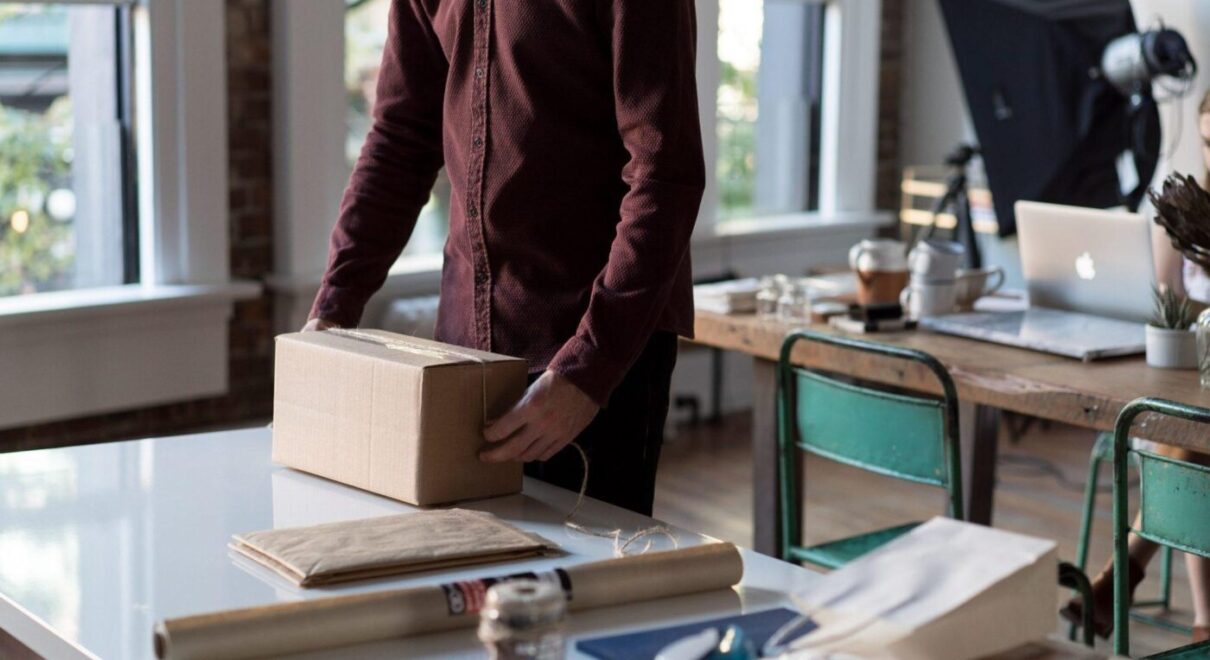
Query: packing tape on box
column 428, row 351
column 312, row 625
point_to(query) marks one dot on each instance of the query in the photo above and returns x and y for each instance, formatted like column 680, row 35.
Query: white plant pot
column 1171, row 349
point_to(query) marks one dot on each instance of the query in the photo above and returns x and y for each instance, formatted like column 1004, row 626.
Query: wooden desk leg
column 980, row 454
column 766, row 496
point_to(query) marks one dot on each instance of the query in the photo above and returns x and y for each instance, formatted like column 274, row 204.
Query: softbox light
column 1050, row 129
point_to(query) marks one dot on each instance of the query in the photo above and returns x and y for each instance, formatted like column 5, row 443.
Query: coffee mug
column 881, row 269
column 936, row 260
column 878, row 254
column 928, row 299
column 975, row 283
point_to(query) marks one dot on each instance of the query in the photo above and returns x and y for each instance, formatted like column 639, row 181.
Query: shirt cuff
column 595, row 373
column 340, row 305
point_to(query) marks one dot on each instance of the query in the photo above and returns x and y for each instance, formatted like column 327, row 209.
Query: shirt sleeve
column 653, row 44
column 394, row 174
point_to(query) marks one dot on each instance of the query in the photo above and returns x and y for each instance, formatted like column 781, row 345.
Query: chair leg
column 1166, row 579
column 1090, row 502
column 1074, row 578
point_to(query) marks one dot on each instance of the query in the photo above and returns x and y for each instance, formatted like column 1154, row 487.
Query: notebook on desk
column 758, row 626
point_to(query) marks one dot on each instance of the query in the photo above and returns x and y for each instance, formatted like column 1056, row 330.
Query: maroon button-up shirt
column 569, row 131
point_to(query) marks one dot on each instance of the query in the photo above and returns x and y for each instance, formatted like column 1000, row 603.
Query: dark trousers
column 623, row 441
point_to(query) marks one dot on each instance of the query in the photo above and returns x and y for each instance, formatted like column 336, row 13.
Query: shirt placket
column 476, row 214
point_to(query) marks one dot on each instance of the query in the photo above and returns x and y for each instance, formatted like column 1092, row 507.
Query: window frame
column 136, row 333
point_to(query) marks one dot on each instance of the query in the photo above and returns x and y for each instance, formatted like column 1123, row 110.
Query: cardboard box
column 395, row 415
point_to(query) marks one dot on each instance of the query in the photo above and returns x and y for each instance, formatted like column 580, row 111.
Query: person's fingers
column 552, row 450
column 540, row 448
column 507, row 424
column 513, row 448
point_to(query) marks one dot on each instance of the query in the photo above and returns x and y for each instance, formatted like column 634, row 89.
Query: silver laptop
column 1089, row 275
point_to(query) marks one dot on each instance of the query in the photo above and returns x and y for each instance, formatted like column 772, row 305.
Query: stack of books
column 730, row 297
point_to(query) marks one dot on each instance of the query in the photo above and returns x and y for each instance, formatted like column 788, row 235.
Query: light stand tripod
column 957, row 200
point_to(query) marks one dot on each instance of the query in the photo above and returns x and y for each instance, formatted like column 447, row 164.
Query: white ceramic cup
column 975, row 283
column 936, row 260
column 923, row 299
column 878, row 255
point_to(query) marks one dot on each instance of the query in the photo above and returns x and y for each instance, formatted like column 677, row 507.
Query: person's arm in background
column 394, row 174
column 1169, row 264
column 653, row 43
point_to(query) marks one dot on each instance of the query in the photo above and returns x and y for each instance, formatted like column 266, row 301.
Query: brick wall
column 890, row 60
column 251, row 331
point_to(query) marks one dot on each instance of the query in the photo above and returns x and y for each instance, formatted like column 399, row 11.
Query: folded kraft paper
column 389, row 545
column 391, row 414
column 310, row 625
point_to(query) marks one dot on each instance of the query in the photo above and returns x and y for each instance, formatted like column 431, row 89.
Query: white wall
column 1192, row 19
column 933, row 116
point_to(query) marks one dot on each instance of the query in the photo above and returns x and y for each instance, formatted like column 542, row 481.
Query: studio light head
column 1134, row 60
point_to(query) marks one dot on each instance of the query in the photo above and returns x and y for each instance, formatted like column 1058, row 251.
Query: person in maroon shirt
column 569, row 131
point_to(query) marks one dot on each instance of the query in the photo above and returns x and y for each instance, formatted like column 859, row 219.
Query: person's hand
column 550, row 415
column 318, row 325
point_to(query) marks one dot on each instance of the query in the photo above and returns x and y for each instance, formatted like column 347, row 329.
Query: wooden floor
column 705, row 485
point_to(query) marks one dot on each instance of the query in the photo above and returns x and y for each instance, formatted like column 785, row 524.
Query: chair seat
column 1201, row 650
column 835, row 554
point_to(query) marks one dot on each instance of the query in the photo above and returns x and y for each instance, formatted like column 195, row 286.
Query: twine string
column 620, row 544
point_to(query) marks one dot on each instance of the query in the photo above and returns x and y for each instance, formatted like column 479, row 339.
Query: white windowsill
column 790, row 225
column 83, row 304
column 426, row 267
column 72, row 353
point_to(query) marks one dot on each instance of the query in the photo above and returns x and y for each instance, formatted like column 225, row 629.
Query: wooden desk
column 990, row 376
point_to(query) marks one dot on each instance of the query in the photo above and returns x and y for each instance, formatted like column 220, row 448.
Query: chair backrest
column 1174, row 501
column 905, row 436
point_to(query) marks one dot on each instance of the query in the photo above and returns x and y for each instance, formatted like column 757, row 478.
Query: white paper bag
column 947, row 590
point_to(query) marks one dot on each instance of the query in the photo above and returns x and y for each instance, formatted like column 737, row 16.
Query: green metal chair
column 1174, row 504
column 1102, row 452
column 913, row 438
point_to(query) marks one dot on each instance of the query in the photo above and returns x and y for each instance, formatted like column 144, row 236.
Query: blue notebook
column 758, row 626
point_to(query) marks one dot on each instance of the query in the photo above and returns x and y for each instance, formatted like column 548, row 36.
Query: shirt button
column 477, row 142
column 478, row 73
column 472, row 212
column 480, row 278
column 482, row 4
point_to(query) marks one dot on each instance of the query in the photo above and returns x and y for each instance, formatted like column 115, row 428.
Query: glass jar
column 770, row 292
column 1203, row 348
column 794, row 305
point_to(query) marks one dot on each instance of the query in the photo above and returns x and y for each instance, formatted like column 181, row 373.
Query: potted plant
column 1171, row 344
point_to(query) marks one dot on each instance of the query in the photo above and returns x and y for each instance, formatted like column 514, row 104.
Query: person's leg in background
column 623, row 441
column 1141, row 552
column 1199, row 586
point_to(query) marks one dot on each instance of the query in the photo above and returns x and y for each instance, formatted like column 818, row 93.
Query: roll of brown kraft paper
column 356, row 619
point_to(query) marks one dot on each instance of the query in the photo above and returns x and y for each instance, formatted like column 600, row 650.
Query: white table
column 97, row 543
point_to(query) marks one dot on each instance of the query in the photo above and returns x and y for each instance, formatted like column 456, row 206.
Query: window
column 365, row 34
column 67, row 197
column 769, row 106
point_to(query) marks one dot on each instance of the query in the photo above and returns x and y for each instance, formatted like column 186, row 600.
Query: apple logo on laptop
column 1086, row 268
